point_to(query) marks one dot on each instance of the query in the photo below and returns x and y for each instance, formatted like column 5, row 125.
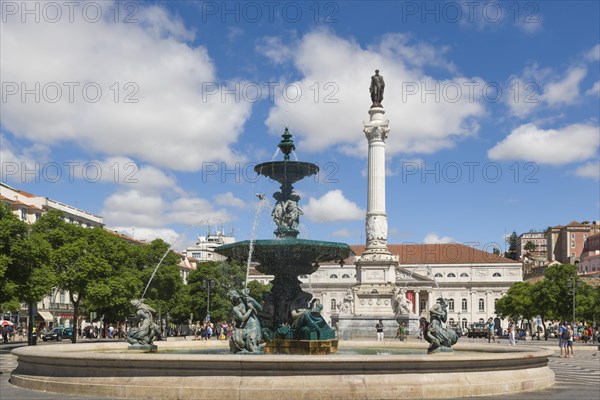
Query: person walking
column 490, row 327
column 511, row 336
column 111, row 331
column 561, row 330
column 379, row 329
column 565, row 337
column 569, row 342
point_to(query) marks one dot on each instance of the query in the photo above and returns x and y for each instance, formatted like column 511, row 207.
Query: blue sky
column 153, row 114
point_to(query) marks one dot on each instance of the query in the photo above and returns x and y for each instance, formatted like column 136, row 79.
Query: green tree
column 82, row 271
column 112, row 298
column 517, row 304
column 80, row 260
column 530, row 246
column 588, row 302
column 543, row 300
column 25, row 272
column 225, row 276
column 559, row 300
column 513, row 243
column 166, row 283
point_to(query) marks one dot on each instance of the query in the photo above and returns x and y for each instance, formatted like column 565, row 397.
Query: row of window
column 334, row 276
column 463, row 275
column 463, row 304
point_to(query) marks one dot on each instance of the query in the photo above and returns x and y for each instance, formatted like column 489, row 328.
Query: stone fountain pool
column 108, row 369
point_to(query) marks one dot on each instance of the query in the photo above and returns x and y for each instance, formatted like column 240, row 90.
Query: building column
column 472, row 305
column 417, row 304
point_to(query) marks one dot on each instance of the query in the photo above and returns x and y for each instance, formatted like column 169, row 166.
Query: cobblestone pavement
column 577, row 377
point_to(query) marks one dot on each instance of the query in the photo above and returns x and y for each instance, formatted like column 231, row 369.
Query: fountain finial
column 287, row 144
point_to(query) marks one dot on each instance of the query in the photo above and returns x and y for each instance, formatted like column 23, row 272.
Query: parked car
column 478, row 330
column 58, row 334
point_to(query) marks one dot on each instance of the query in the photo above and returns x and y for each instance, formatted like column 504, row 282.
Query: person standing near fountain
column 379, row 329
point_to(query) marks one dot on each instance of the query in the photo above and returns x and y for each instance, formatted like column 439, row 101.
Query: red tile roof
column 438, row 253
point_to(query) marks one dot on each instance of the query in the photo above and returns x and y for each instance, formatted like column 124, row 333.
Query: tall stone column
column 376, row 131
column 376, row 268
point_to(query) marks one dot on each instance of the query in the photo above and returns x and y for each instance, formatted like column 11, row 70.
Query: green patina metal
column 289, row 313
column 287, row 144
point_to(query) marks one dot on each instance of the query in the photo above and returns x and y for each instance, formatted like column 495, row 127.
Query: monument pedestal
column 355, row 327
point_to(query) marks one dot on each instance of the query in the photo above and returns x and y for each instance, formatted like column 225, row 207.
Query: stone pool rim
column 95, row 369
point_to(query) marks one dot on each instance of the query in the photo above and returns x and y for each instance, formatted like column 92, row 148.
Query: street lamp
column 573, row 283
column 209, row 284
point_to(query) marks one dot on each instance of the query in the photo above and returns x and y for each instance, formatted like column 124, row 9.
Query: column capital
column 376, row 133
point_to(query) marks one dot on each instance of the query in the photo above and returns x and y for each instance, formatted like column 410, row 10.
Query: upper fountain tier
column 286, row 172
column 286, row 213
column 287, row 255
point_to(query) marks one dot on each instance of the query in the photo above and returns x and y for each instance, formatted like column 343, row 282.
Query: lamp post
column 209, row 284
column 573, row 283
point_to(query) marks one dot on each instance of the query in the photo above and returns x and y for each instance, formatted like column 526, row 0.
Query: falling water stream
column 275, row 154
column 262, row 203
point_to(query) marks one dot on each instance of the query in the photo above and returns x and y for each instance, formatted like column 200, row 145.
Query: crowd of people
column 8, row 333
column 205, row 330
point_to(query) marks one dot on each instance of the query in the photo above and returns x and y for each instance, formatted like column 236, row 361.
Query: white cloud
column 537, row 87
column 331, row 65
column 344, row 233
column 566, row 90
column 149, row 234
column 594, row 90
column 432, row 238
column 593, row 54
column 154, row 210
column 22, row 165
column 569, row 144
column 493, row 14
column 528, row 23
column 229, row 200
column 589, row 170
column 273, row 48
column 524, row 97
column 333, row 206
column 155, row 65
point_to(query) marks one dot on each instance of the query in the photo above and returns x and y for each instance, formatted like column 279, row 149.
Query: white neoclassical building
column 470, row 279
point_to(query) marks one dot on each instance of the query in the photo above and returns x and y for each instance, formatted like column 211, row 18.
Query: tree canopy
column 103, row 272
column 551, row 298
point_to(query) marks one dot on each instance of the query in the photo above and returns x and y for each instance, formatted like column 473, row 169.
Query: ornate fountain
column 290, row 319
column 290, row 322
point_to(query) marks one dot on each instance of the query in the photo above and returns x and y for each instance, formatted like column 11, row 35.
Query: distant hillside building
column 565, row 243
column 204, row 249
column 29, row 207
column 590, row 257
column 538, row 238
